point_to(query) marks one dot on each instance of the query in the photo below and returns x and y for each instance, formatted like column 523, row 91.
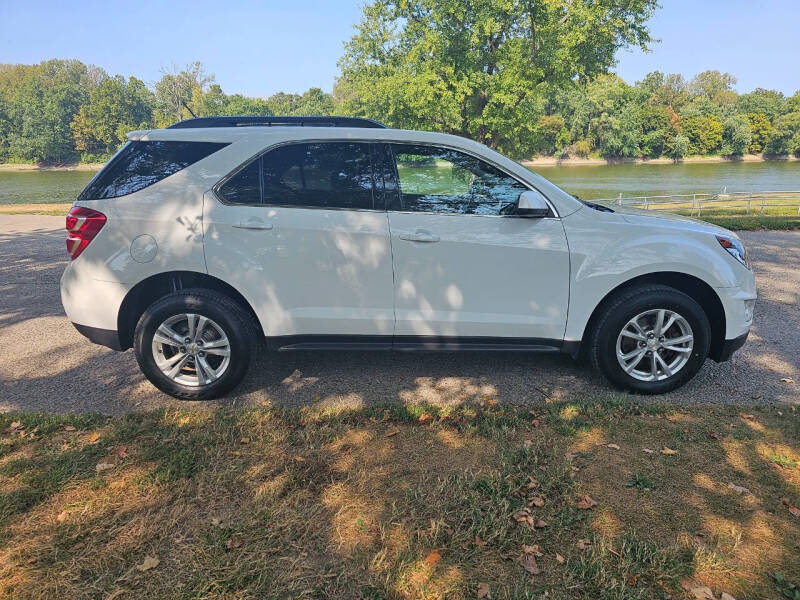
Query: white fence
column 755, row 203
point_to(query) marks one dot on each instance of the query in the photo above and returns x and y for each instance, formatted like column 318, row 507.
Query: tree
column 735, row 135
column 785, row 138
column 655, row 129
column 550, row 134
column 716, row 86
column 480, row 69
column 704, row 133
column 678, row 146
column 115, row 107
column 177, row 89
column 760, row 130
column 766, row 102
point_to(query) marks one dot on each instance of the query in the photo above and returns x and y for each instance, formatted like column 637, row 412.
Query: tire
column 675, row 363
column 204, row 370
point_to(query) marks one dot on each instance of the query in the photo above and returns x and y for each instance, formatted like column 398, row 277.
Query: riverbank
column 36, row 167
column 575, row 161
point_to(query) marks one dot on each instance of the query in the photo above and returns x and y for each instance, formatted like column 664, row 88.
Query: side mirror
column 532, row 204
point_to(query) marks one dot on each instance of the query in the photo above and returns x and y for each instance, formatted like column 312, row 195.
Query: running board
column 411, row 343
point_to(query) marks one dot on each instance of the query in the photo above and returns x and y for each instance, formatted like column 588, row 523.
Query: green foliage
column 481, row 69
column 704, row 133
column 550, row 134
column 760, row 130
column 736, row 135
column 785, row 138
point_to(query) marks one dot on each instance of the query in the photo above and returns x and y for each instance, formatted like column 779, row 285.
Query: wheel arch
column 692, row 286
column 147, row 291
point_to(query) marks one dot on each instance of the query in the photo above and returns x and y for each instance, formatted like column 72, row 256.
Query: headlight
column 735, row 248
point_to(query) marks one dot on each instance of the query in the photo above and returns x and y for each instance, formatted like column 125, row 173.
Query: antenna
column 186, row 106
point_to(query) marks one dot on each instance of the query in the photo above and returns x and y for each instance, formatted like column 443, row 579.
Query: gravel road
column 45, row 364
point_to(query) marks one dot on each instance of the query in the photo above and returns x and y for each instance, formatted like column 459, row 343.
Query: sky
column 258, row 48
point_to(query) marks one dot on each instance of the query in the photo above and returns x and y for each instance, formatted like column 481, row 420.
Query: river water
column 588, row 182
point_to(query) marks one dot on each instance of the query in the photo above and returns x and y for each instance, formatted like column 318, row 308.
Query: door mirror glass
column 532, row 204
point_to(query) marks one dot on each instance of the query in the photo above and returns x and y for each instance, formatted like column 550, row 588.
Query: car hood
column 654, row 218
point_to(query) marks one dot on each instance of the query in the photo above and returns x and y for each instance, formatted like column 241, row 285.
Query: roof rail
column 273, row 121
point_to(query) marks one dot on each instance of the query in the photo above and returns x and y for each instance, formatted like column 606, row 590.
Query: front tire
column 650, row 339
column 194, row 344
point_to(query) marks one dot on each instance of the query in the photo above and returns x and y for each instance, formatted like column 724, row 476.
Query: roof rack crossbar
column 273, row 121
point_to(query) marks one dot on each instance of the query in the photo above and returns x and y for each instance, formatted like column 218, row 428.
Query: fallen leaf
column 69, row 428
column 121, row 452
column 613, row 446
column 534, row 549
column 739, row 489
column 631, row 580
column 62, row 516
column 535, row 423
column 726, row 596
column 14, row 426
column 483, row 590
column 537, row 501
column 583, row 544
column 233, row 543
column 149, row 563
column 103, row 466
column 792, row 508
column 559, row 558
column 714, row 435
column 585, row 502
column 479, row 542
column 94, row 438
column 425, row 418
column 245, row 440
column 541, row 524
column 532, row 483
column 702, row 593
column 528, row 562
column 490, row 401
column 747, row 416
column 527, row 444
column 668, row 451
column 787, row 380
column 648, row 450
column 392, row 432
column 433, row 558
column 216, row 522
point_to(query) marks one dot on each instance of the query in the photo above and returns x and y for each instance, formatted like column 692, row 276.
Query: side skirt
column 412, row 343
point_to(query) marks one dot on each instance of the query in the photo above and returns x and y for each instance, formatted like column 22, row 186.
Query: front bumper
column 731, row 346
column 104, row 337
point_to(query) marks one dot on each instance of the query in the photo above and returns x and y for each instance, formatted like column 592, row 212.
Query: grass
column 400, row 502
column 55, row 208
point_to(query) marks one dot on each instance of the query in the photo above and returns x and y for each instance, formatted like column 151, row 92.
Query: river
column 588, row 182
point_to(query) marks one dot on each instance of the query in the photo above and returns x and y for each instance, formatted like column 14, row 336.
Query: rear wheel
column 650, row 339
column 194, row 344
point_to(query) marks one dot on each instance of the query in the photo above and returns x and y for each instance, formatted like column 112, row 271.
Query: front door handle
column 254, row 225
column 419, row 236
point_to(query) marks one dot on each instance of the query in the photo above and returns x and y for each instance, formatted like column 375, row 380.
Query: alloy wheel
column 655, row 345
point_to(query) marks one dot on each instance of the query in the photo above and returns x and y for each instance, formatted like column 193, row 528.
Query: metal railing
column 760, row 203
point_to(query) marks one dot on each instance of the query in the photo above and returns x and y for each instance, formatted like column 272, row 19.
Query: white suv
column 197, row 241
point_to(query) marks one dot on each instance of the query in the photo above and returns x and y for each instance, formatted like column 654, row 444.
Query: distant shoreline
column 35, row 167
column 552, row 161
column 541, row 161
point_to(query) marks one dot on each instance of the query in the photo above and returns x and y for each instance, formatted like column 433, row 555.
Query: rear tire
column 194, row 344
column 634, row 353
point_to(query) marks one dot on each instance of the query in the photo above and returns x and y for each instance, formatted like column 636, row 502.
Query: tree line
column 528, row 78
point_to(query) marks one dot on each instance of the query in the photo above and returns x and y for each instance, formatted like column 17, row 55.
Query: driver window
column 440, row 180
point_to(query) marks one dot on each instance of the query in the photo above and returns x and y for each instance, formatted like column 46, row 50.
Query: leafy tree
column 704, row 133
column 715, row 86
column 760, row 130
column 766, row 102
column 678, row 146
column 655, row 125
column 480, row 69
column 736, row 136
column 177, row 89
column 551, row 134
column 785, row 138
column 115, row 107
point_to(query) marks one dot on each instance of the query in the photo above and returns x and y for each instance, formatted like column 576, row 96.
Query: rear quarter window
column 140, row 164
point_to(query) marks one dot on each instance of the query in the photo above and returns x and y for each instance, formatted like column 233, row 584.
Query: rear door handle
column 254, row 225
column 419, row 236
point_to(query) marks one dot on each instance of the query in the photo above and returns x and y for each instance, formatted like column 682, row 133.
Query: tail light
column 83, row 224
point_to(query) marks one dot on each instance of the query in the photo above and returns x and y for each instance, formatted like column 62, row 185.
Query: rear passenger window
column 315, row 175
column 140, row 164
column 245, row 186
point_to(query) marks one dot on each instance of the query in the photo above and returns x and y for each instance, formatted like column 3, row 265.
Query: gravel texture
column 45, row 364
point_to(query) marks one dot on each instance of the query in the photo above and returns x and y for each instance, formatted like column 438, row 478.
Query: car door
column 466, row 269
column 301, row 234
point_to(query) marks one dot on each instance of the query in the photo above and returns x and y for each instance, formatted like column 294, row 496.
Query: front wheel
column 650, row 339
column 194, row 344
